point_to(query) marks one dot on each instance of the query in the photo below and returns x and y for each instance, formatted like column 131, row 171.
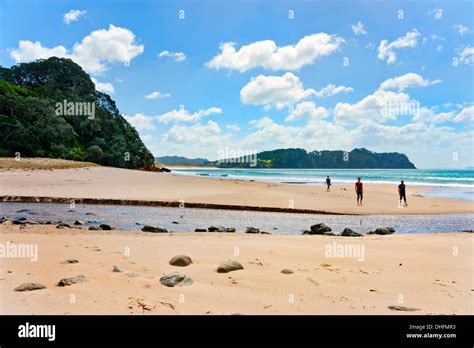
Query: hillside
column 50, row 108
column 300, row 158
column 182, row 160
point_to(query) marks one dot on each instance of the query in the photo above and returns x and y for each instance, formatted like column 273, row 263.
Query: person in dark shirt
column 328, row 183
column 402, row 192
column 359, row 189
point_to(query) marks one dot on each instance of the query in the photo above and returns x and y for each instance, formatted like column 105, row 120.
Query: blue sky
column 259, row 75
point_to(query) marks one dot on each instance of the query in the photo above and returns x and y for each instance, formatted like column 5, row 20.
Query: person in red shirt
column 359, row 189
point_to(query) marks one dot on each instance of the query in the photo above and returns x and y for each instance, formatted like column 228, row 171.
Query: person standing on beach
column 402, row 192
column 359, row 189
column 328, row 183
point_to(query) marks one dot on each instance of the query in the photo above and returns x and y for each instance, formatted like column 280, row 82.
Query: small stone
column 132, row 274
column 181, row 261
column 29, row 287
column 117, row 269
column 106, row 227
column 263, row 232
column 77, row 222
column 403, row 308
column 62, row 225
column 70, row 261
column 94, row 228
column 230, row 229
column 286, row 271
column 72, row 280
column 229, row 266
column 200, row 230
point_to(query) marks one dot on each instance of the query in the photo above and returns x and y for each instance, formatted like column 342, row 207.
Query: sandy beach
column 429, row 272
column 124, row 184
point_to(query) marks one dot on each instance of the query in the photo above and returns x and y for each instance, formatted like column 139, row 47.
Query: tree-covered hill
column 300, row 158
column 34, row 125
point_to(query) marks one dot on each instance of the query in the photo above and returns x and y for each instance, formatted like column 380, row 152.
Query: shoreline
column 106, row 185
column 320, row 283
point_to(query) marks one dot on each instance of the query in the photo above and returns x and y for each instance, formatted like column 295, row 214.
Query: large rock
column 229, row 266
column 252, row 230
column 216, row 229
column 320, row 229
column 29, row 287
column 383, row 231
column 174, row 279
column 72, row 280
column 148, row 228
column 350, row 233
column 106, row 227
column 181, row 261
column 230, row 229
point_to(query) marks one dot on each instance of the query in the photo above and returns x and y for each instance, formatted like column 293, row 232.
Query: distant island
column 301, row 159
column 50, row 108
column 179, row 160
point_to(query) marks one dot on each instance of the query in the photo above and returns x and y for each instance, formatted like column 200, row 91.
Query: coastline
column 320, row 284
column 109, row 185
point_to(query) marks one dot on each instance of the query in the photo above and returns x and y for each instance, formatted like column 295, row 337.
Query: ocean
column 443, row 183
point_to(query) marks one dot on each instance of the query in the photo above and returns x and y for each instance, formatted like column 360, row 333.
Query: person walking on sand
column 402, row 193
column 359, row 189
column 328, row 183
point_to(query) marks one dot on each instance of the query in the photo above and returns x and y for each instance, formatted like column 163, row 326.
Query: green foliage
column 29, row 124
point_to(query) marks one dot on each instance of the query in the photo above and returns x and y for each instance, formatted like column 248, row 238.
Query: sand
column 431, row 272
column 124, row 184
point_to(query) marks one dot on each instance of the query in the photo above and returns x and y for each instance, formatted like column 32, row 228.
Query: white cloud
column 467, row 55
column 176, row 56
column 233, row 127
column 387, row 50
column 73, row 16
column 141, row 122
column 332, row 89
column 104, row 87
column 276, row 90
column 358, row 29
column 266, row 54
column 437, row 12
column 307, row 109
column 435, row 37
column 465, row 115
column 384, row 104
column 461, row 29
column 93, row 53
column 403, row 82
column 197, row 134
column 156, row 95
column 183, row 115
column 28, row 51
column 439, row 48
